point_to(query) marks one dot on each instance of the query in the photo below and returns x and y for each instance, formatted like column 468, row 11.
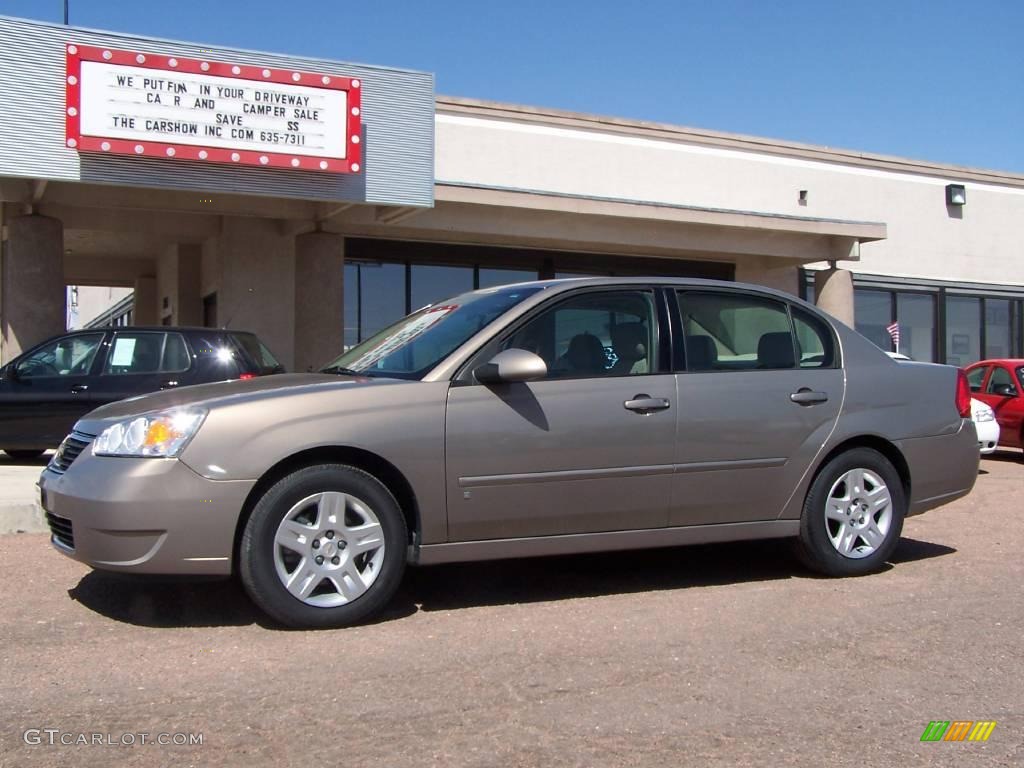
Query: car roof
column 1013, row 362
column 159, row 328
column 682, row 282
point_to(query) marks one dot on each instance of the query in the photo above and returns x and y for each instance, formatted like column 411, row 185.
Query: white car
column 985, row 423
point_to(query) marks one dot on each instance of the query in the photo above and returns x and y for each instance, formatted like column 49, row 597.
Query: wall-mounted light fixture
column 956, row 194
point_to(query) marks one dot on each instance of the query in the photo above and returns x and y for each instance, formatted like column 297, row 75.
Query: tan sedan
column 535, row 419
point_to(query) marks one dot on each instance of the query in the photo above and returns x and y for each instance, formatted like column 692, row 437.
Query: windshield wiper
column 342, row 371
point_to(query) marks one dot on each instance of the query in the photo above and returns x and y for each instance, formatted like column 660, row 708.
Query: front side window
column 1000, row 382
column 734, row 332
column 134, row 352
column 412, row 346
column 69, row 356
column 592, row 334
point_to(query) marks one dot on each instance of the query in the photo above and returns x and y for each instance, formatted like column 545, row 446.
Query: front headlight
column 984, row 414
column 161, row 434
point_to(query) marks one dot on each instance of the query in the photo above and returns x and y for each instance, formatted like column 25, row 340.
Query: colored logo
column 958, row 730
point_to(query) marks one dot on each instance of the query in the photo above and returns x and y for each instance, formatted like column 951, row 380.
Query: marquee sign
column 126, row 102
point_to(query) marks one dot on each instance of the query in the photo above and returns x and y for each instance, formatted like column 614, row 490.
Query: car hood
column 267, row 388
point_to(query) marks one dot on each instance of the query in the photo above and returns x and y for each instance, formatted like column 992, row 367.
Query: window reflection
column 998, row 329
column 916, row 316
column 872, row 314
column 490, row 278
column 431, row 284
column 963, row 330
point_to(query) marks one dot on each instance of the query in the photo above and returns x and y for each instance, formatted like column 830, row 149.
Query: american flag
column 894, row 333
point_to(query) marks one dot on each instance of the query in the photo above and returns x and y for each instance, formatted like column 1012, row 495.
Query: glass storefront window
column 492, row 277
column 382, row 290
column 963, row 330
column 916, row 316
column 351, row 313
column 872, row 313
column 431, row 284
column 998, row 330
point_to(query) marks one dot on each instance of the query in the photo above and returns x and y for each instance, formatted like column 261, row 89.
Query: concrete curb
column 22, row 518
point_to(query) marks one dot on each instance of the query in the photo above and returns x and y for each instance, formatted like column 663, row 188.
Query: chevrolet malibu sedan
column 542, row 418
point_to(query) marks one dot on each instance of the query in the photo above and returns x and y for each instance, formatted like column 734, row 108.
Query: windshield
column 415, row 344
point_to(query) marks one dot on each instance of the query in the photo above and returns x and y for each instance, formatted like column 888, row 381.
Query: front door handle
column 805, row 396
column 168, row 385
column 644, row 404
column 78, row 389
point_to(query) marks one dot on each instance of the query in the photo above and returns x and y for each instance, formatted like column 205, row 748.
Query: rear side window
column 733, row 332
column 133, row 352
column 975, row 377
column 257, row 353
column 813, row 340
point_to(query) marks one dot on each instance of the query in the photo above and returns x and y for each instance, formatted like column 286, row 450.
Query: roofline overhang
column 455, row 192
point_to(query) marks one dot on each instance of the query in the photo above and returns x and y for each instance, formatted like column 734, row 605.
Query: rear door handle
column 168, row 385
column 644, row 404
column 805, row 396
column 77, row 389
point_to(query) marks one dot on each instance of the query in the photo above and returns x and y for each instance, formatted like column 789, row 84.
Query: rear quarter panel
column 911, row 405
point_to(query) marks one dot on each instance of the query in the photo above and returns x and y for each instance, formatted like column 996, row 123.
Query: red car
column 1000, row 384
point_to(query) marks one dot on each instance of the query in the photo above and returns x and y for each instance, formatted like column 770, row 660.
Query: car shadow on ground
column 40, row 461
column 1008, row 456
column 157, row 602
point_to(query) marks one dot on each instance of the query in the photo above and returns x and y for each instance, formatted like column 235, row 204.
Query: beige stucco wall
column 924, row 239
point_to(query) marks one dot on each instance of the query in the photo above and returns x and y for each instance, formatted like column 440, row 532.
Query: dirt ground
column 726, row 655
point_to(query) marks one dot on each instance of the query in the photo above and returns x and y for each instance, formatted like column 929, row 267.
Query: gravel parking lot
column 726, row 655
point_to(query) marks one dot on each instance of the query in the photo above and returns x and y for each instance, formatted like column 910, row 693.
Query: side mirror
column 511, row 365
column 1005, row 390
column 9, row 373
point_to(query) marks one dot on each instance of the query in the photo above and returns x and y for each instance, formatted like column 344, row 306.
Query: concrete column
column 34, row 301
column 257, row 282
column 319, row 298
column 833, row 292
column 144, row 311
column 179, row 274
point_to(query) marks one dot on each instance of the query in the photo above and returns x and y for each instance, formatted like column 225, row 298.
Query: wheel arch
column 880, row 444
column 371, row 463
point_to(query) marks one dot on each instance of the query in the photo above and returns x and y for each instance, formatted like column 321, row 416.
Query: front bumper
column 988, row 435
column 143, row 515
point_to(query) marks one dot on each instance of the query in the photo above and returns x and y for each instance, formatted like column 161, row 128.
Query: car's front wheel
column 853, row 515
column 324, row 547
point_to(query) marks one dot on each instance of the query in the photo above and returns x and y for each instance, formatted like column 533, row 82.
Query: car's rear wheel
column 853, row 515
column 23, row 455
column 324, row 547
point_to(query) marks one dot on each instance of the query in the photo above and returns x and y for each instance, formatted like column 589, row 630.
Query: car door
column 586, row 449
column 137, row 362
column 760, row 393
column 46, row 390
column 1003, row 393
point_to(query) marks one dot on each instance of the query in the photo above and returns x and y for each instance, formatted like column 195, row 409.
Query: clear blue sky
column 929, row 79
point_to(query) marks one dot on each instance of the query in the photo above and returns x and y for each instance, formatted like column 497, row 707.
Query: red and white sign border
column 74, row 139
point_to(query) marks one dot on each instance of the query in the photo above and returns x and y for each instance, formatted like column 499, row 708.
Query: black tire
column 23, row 454
column 814, row 546
column 256, row 563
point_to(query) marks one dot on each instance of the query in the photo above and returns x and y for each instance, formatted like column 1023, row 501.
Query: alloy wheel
column 329, row 549
column 858, row 513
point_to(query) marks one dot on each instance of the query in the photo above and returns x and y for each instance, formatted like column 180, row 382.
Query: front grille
column 62, row 531
column 70, row 450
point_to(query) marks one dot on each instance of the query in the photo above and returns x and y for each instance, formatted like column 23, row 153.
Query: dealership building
column 315, row 201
